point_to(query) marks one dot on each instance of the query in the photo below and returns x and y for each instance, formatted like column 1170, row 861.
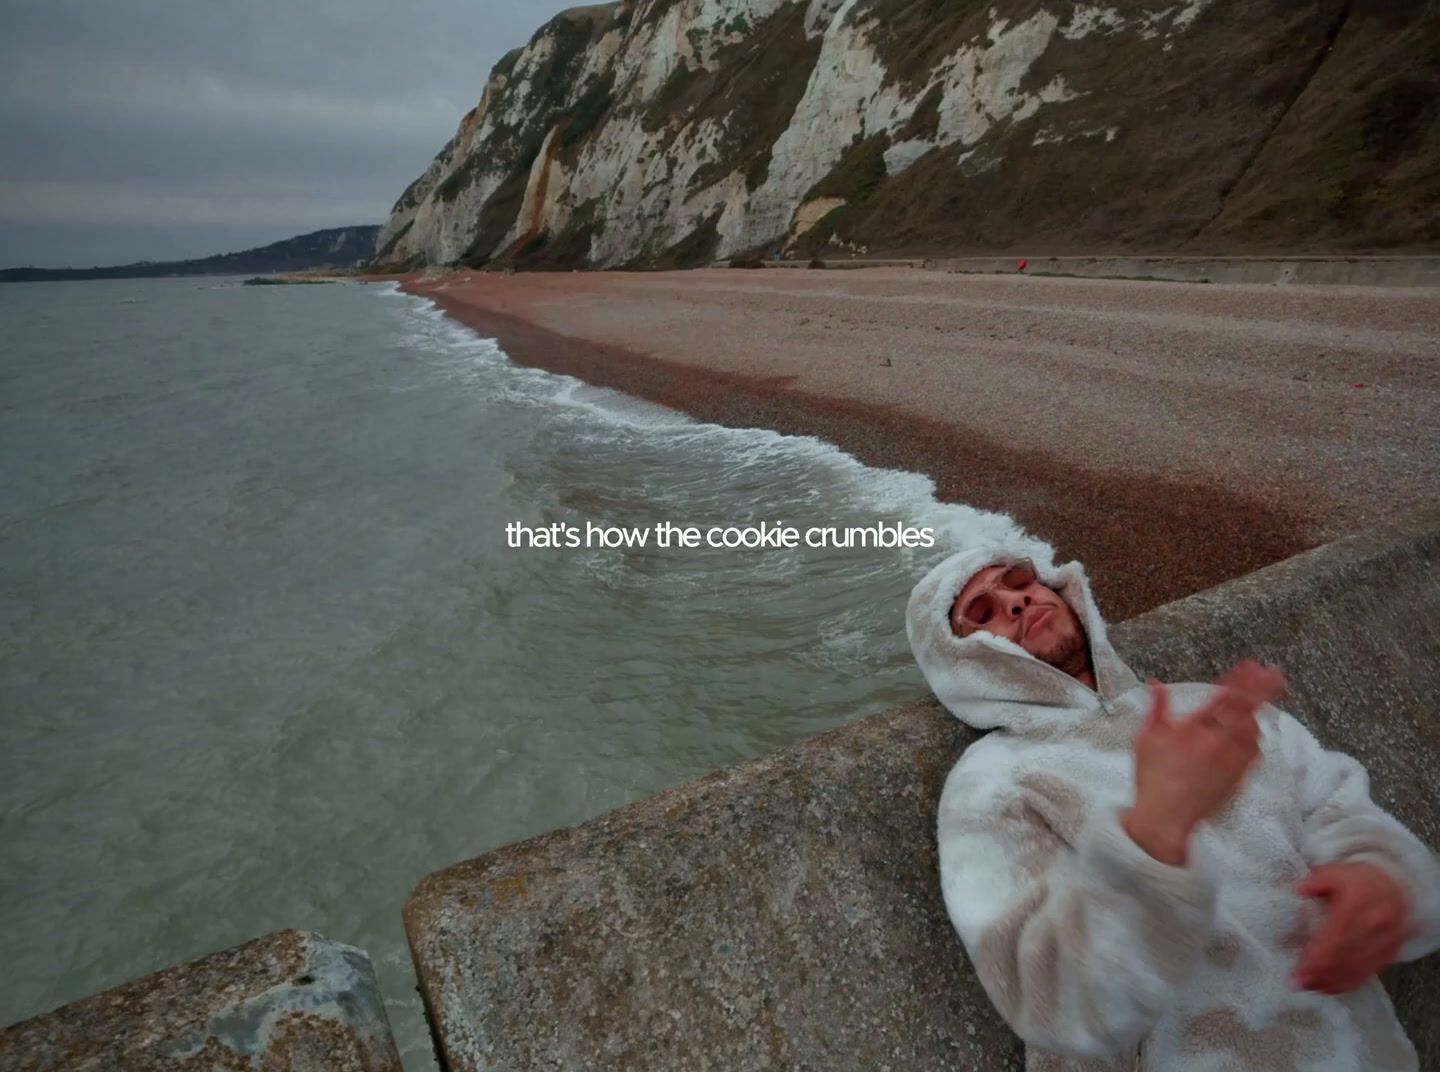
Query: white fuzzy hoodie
column 1095, row 953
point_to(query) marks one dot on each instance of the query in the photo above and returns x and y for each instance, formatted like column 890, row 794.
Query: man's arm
column 1342, row 825
column 1080, row 946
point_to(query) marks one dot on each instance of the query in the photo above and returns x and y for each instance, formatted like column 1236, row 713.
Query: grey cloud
column 188, row 121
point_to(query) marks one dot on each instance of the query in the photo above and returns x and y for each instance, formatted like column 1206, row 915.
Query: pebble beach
column 1170, row 435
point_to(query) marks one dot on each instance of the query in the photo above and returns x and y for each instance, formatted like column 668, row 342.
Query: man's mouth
column 1036, row 617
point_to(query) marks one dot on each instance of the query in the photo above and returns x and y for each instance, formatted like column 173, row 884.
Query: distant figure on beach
column 1157, row 878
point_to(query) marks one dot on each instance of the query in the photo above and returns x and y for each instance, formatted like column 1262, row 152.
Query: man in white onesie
column 1156, row 878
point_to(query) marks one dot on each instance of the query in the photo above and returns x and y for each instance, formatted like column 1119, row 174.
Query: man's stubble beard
column 1068, row 654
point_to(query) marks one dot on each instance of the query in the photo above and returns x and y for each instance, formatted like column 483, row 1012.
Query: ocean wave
column 744, row 455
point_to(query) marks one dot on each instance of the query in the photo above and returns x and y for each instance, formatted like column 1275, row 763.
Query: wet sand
column 1170, row 435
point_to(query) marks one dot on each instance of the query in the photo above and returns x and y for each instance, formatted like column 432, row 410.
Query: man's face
column 1030, row 614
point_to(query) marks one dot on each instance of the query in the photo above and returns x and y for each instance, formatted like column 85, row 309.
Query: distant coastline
column 331, row 248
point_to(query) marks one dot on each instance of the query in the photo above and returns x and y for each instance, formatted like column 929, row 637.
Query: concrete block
column 288, row 1002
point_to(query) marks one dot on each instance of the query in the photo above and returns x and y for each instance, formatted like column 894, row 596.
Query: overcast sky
column 163, row 129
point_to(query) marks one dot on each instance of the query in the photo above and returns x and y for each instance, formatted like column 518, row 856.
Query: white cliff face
column 848, row 98
column 658, row 162
column 545, row 170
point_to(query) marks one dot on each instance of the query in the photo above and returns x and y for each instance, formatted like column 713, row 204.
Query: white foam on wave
column 432, row 330
column 616, row 407
column 897, row 493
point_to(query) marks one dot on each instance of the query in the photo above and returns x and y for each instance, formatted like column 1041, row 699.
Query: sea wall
column 1325, row 271
column 288, row 1002
column 785, row 913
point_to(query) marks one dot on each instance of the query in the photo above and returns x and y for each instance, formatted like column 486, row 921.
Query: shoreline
column 1199, row 534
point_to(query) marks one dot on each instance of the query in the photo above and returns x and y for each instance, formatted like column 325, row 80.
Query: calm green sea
column 266, row 659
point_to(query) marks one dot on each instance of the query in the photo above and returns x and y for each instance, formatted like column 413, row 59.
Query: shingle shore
column 1170, row 435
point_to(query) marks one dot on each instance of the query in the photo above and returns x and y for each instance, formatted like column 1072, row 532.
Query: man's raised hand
column 1186, row 770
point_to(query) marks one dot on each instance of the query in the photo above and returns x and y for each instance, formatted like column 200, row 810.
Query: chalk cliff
column 676, row 132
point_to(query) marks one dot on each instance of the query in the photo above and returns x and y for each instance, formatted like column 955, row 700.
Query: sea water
column 267, row 659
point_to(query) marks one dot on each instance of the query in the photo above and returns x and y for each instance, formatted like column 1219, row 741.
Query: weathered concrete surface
column 291, row 1002
column 1374, row 271
column 785, row 913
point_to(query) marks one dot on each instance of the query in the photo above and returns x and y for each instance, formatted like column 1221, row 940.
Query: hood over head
column 987, row 681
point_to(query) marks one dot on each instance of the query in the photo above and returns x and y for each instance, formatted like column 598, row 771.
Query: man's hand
column 1367, row 921
column 1185, row 771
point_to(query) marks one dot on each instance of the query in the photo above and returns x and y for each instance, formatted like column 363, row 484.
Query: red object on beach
column 1357, row 385
column 1021, row 266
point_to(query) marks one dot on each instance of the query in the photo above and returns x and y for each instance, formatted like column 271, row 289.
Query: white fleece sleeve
column 1079, row 937
column 1341, row 824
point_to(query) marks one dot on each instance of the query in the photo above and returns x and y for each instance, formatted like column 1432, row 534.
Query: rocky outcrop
column 670, row 132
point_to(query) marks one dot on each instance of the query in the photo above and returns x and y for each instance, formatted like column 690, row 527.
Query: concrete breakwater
column 784, row 913
column 289, row 1000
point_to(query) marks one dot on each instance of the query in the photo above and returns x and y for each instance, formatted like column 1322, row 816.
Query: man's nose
column 1015, row 603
